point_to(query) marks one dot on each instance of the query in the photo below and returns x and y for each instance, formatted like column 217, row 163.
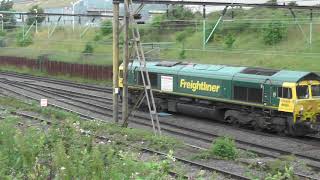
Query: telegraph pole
column 115, row 61
column 125, row 64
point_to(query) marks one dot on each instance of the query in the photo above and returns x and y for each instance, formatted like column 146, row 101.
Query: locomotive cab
column 304, row 103
column 307, row 103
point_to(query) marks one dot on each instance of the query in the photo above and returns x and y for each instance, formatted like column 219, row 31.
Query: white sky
column 210, row 8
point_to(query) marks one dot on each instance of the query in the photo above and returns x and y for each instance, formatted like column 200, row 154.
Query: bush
column 106, row 28
column 24, row 41
column 88, row 49
column 180, row 13
column 224, row 148
column 229, row 40
column 274, row 32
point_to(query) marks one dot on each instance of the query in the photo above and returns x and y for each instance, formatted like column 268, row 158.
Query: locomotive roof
column 238, row 73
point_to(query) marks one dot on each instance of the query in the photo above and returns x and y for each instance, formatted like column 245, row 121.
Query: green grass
column 64, row 45
column 293, row 53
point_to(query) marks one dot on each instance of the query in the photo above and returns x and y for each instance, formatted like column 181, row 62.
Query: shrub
column 274, row 32
column 106, row 28
column 24, row 40
column 180, row 13
column 229, row 40
column 88, row 49
column 224, row 148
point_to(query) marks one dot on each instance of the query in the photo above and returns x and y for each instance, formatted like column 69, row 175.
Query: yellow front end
column 307, row 103
column 304, row 101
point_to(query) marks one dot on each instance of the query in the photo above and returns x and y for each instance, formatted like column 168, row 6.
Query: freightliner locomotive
column 263, row 99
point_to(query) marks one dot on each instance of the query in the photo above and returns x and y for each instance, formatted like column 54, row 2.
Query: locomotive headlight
column 301, row 110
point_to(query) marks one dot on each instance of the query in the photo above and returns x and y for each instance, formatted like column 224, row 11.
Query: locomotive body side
column 260, row 98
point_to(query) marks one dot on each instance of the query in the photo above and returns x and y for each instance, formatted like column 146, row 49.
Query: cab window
column 303, row 92
column 121, row 73
column 284, row 92
column 315, row 89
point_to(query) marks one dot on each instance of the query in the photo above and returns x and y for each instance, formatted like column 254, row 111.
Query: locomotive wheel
column 255, row 126
column 234, row 121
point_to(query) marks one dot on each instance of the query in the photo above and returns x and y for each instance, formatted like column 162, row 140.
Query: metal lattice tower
column 139, row 55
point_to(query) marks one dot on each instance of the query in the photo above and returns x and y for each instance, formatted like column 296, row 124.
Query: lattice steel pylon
column 139, row 55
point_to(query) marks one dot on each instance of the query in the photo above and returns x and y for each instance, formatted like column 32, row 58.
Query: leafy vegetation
column 287, row 174
column 179, row 12
column 24, row 40
column 229, row 40
column 274, row 33
column 68, row 149
column 281, row 168
column 8, row 19
column 106, row 28
column 222, row 148
column 225, row 148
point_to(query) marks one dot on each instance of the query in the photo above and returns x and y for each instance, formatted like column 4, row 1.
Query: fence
column 95, row 72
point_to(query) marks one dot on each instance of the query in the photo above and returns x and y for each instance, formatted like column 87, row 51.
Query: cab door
column 287, row 100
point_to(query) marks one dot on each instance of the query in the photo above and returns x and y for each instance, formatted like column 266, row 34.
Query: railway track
column 72, row 97
column 57, row 81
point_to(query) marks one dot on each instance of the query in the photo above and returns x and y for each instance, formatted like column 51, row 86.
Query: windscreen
column 315, row 90
column 302, row 92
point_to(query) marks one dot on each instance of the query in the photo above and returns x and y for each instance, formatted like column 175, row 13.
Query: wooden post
column 115, row 61
column 125, row 65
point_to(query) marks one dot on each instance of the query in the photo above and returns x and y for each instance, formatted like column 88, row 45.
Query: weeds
column 222, row 148
column 63, row 153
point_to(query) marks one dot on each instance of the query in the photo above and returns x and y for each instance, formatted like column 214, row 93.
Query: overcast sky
column 211, row 8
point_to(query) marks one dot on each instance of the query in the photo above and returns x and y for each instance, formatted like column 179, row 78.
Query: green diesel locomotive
column 278, row 100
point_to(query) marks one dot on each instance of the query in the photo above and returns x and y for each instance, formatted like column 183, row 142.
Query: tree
column 33, row 18
column 106, row 28
column 8, row 19
column 181, row 37
column 274, row 32
column 180, row 13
